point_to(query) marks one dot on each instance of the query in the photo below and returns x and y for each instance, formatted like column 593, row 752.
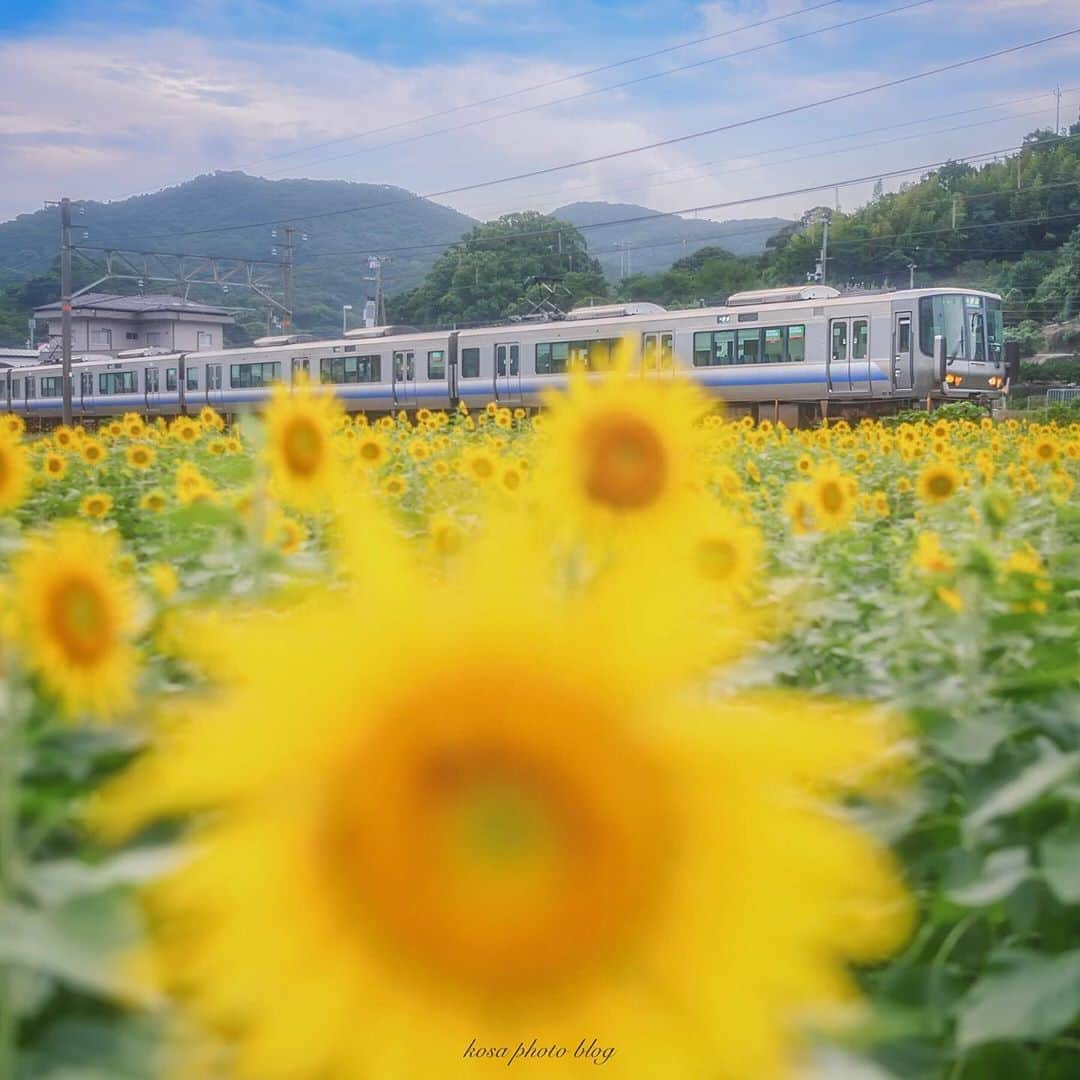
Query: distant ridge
column 660, row 241
column 225, row 198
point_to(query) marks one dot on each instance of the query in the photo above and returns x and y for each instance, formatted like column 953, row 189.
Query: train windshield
column 971, row 326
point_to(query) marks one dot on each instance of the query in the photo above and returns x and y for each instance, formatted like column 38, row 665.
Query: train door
column 658, row 353
column 301, row 370
column 86, row 390
column 859, row 368
column 508, row 372
column 903, row 357
column 152, row 388
column 215, row 394
column 404, row 372
column 848, row 360
column 838, row 362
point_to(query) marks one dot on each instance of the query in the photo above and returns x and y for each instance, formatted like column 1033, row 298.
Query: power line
column 789, row 111
column 615, row 86
column 658, row 214
column 552, row 82
column 824, row 153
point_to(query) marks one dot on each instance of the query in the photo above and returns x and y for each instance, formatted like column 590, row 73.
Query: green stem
column 9, row 778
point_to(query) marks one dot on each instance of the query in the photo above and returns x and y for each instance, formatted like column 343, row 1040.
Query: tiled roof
column 134, row 305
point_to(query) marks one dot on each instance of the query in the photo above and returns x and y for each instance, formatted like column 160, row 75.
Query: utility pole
column 65, row 304
column 1057, row 111
column 375, row 265
column 287, row 280
column 912, row 267
column 824, row 251
column 624, row 247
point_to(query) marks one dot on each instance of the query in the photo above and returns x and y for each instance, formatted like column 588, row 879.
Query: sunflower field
column 622, row 735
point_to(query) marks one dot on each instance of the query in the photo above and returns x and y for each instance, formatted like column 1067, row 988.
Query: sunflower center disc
column 79, row 621
column 626, row 467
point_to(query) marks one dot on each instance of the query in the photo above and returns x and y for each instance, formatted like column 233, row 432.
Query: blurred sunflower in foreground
column 519, row 824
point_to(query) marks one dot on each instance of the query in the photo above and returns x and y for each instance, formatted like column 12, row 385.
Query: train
column 795, row 353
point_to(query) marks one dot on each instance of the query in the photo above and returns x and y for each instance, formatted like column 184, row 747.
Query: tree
column 497, row 269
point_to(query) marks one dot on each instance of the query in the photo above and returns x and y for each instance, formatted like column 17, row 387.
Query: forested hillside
column 654, row 241
column 501, row 269
column 170, row 220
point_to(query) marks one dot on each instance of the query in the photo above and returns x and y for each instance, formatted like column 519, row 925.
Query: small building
column 106, row 323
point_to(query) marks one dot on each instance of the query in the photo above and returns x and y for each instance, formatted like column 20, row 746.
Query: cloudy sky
column 106, row 98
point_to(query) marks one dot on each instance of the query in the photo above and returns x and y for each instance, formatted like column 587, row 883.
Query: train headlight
column 953, row 380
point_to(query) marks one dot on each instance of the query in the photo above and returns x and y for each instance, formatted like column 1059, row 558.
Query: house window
column 204, row 340
column 102, row 337
column 133, row 335
column 470, row 363
column 155, row 337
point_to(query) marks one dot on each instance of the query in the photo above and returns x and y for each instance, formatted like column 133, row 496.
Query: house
column 105, row 323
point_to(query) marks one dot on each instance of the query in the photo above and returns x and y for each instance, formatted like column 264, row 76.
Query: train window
column 170, row 378
column 554, row 357
column 976, row 339
column 860, row 339
column 213, row 376
column 942, row 315
column 117, row 382
column 774, row 345
column 86, row 383
column 717, row 347
column 191, row 378
column 436, row 364
column 995, row 329
column 551, row 358
column 903, row 335
column 470, row 363
column 796, row 344
column 251, row 375
column 839, row 340
column 749, row 346
column 52, row 386
column 151, row 380
column 350, row 369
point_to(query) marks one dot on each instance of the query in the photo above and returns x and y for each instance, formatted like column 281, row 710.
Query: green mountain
column 654, row 243
column 323, row 282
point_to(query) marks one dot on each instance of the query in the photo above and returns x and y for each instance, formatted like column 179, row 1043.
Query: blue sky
column 102, row 100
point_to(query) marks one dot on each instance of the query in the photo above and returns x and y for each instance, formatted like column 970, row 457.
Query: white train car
column 799, row 351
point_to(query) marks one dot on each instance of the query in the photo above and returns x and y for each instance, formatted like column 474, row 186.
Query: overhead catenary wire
column 657, row 144
column 547, row 84
column 815, row 142
column 593, row 92
column 728, row 204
